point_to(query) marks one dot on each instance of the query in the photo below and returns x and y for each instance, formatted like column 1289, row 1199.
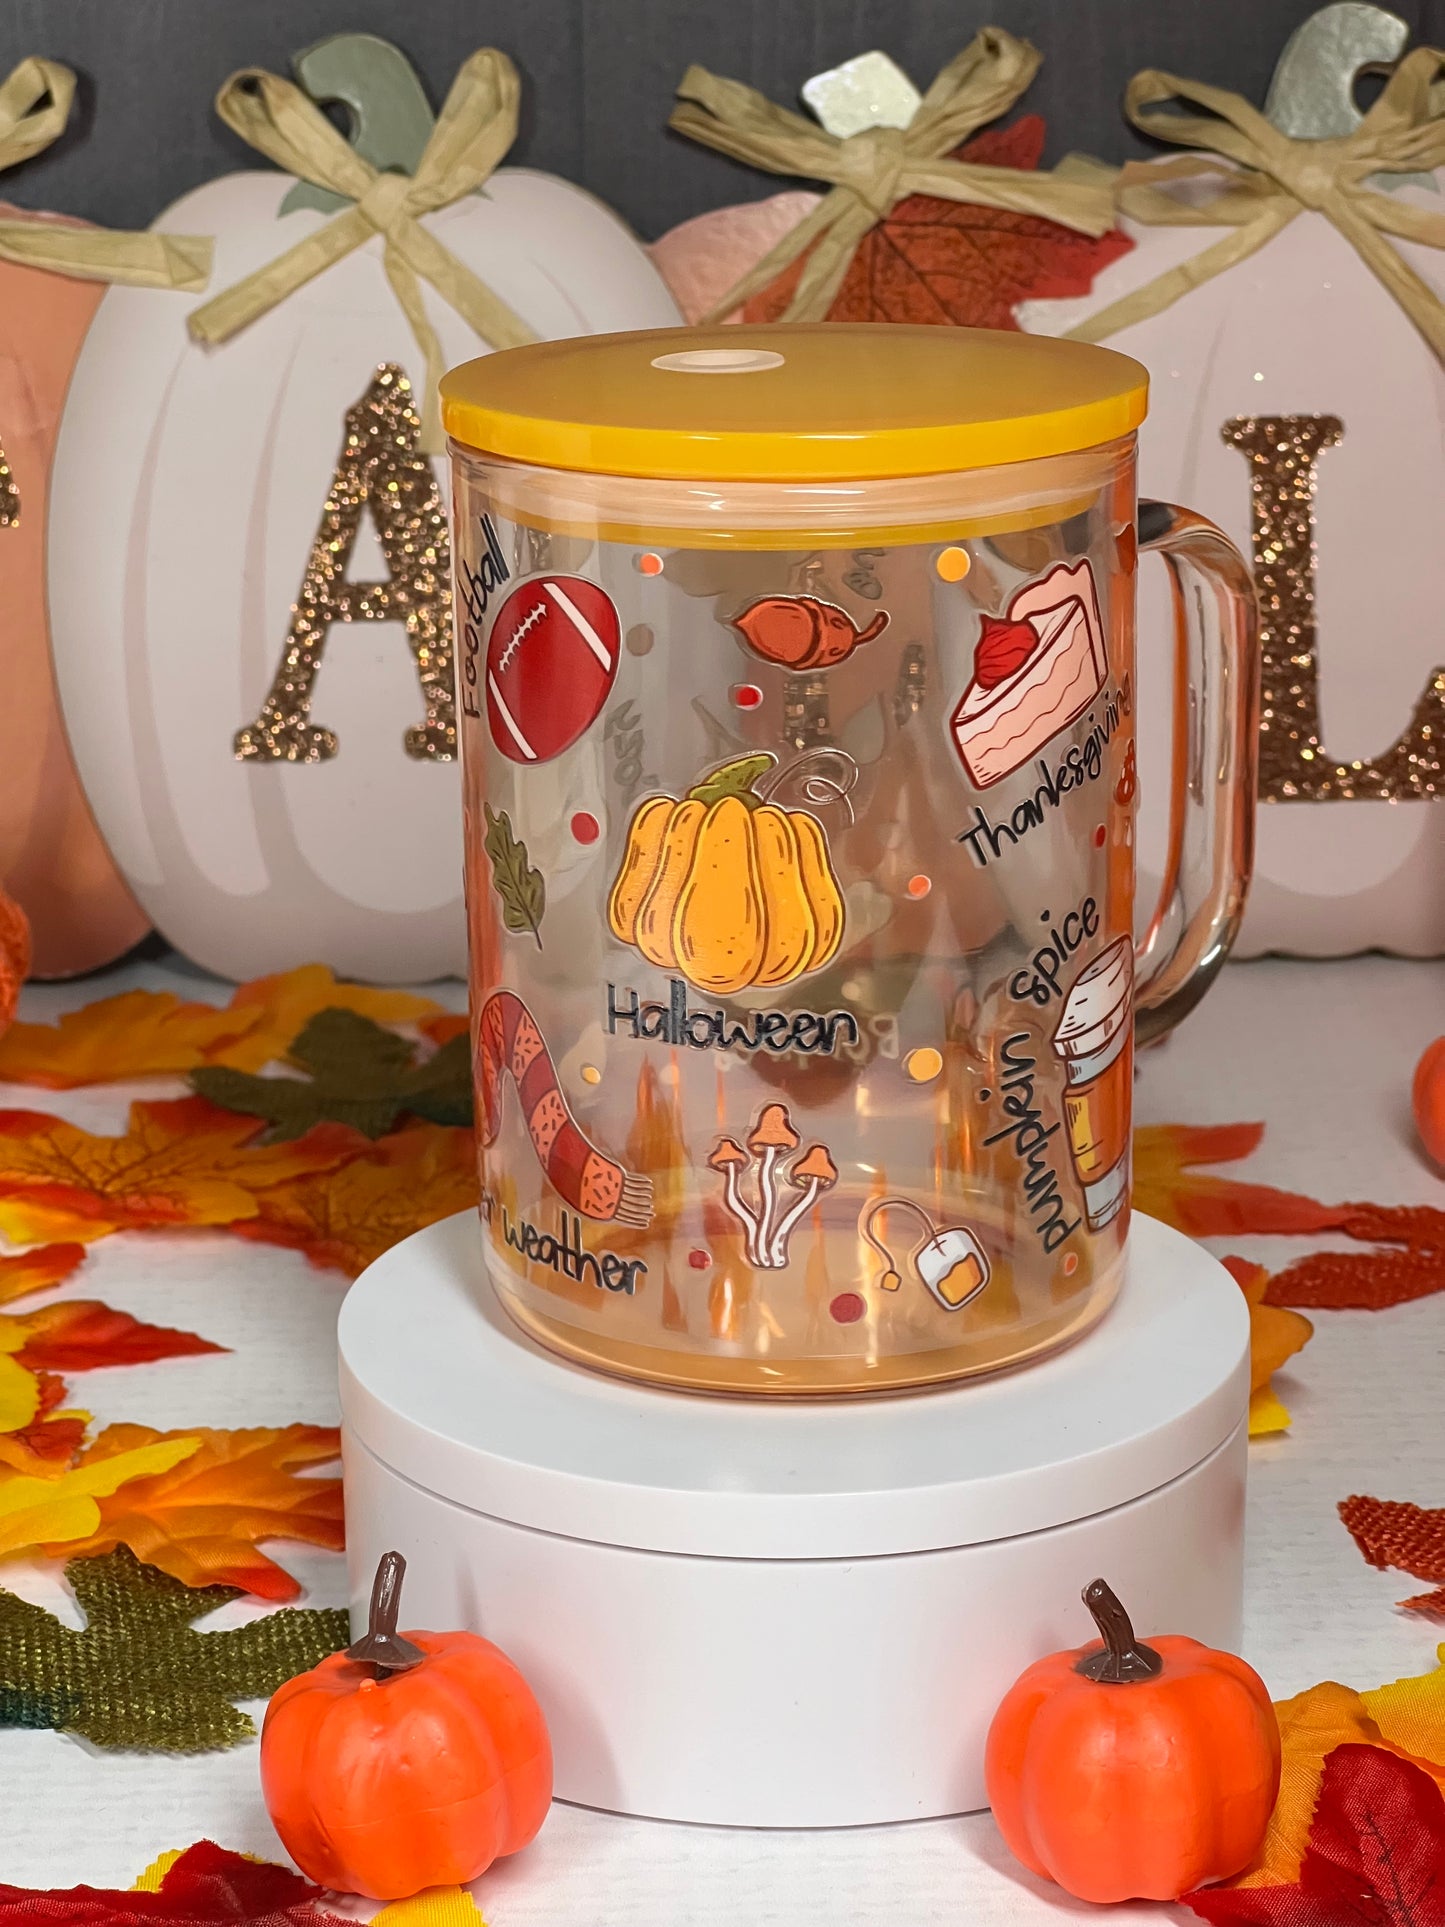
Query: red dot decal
column 1101, row 837
column 746, row 695
column 847, row 1308
column 699, row 1259
column 585, row 827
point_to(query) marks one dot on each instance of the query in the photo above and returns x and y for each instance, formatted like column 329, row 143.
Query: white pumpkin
column 1303, row 328
column 188, row 487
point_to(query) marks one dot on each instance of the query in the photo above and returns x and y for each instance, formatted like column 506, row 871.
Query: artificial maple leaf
column 360, row 1074
column 138, row 1675
column 344, row 1218
column 950, row 263
column 64, row 1508
column 434, row 1907
column 51, row 1439
column 1375, row 1853
column 38, row 1270
column 205, row 1886
column 202, row 1521
column 80, row 1335
column 141, row 1033
column 446, row 1025
column 1274, row 1336
column 1408, row 1538
column 1167, row 1187
column 180, row 1162
column 1370, row 1280
column 288, row 1002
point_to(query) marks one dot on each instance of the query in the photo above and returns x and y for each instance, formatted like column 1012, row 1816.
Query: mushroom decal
column 769, row 1222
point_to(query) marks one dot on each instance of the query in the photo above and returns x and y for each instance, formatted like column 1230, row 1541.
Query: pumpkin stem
column 381, row 1644
column 736, row 778
column 1124, row 1659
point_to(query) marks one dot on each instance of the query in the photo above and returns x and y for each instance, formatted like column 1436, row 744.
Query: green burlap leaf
column 361, row 1074
column 139, row 1675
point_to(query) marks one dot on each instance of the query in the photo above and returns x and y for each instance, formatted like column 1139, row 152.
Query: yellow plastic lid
column 793, row 403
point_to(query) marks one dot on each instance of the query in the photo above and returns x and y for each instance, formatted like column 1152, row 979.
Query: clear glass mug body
column 800, row 876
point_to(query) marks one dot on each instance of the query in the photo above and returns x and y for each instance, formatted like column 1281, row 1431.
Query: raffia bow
column 474, row 130
column 1266, row 178
column 34, row 106
column 873, row 171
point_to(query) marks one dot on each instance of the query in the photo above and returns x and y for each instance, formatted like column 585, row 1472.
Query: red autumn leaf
column 1376, row 1853
column 1406, row 1538
column 1432, row 1604
column 1370, row 1280
column 38, row 1270
column 80, row 1335
column 207, row 1886
column 47, row 1441
column 948, row 263
column 1166, row 1186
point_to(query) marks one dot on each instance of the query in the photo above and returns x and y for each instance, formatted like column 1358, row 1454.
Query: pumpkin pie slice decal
column 1036, row 669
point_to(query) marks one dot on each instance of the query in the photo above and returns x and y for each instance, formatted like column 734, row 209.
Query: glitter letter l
column 381, row 468
column 1294, row 765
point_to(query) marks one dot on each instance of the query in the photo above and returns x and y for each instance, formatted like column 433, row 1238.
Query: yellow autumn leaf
column 432, row 1907
column 56, row 1511
column 1275, row 1335
column 288, row 1002
column 1410, row 1713
column 19, row 1388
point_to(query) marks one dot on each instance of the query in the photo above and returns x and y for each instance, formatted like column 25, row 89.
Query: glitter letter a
column 1294, row 765
column 383, row 469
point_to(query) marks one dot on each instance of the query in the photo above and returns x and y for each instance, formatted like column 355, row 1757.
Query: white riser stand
column 689, row 1667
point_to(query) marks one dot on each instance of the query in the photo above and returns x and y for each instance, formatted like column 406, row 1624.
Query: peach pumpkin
column 52, row 859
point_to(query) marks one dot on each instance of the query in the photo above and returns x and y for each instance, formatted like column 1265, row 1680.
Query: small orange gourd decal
column 729, row 891
column 408, row 1761
column 801, row 632
column 1133, row 1772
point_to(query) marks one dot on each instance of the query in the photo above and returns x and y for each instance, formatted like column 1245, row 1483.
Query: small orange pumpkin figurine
column 408, row 1761
column 1133, row 1772
column 1427, row 1097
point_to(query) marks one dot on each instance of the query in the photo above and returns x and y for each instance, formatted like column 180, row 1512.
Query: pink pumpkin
column 52, row 860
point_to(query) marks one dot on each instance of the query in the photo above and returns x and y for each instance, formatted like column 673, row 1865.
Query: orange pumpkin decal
column 1133, row 1772
column 408, row 1761
column 800, row 632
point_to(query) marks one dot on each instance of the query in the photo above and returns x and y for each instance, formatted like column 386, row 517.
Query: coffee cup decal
column 949, row 1262
column 1094, row 1038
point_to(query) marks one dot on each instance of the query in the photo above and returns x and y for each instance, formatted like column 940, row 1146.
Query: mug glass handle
column 1214, row 766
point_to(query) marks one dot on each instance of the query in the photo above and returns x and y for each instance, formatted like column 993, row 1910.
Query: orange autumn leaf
column 1168, row 1186
column 202, row 1520
column 343, row 1219
column 38, row 1270
column 442, row 1028
column 1274, row 1336
column 180, row 1162
column 142, row 1033
column 52, row 1438
column 80, row 1334
column 1370, row 1280
column 285, row 1005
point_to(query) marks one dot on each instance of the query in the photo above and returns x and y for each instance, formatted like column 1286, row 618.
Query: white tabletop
column 1323, row 1053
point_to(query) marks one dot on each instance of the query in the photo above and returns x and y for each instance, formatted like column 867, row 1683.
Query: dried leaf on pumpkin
column 344, row 1218
column 1370, row 1280
column 38, row 1270
column 1394, row 1535
column 951, row 263
column 1167, row 1186
column 1406, row 1717
column 1375, row 1852
column 1274, row 1336
column 62, row 1509
column 206, row 1886
column 180, row 1162
column 138, row 1675
column 201, row 1521
column 288, row 1002
column 360, row 1074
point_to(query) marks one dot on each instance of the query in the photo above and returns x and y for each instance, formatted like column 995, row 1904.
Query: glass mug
column 795, row 682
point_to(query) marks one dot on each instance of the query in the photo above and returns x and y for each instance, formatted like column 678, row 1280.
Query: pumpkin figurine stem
column 381, row 1644
column 1124, row 1658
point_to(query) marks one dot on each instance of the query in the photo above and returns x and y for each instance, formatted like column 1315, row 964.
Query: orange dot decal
column 919, row 886
column 953, row 564
column 923, row 1065
column 591, row 1074
column 649, row 563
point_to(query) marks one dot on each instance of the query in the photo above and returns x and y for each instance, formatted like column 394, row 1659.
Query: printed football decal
column 551, row 663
